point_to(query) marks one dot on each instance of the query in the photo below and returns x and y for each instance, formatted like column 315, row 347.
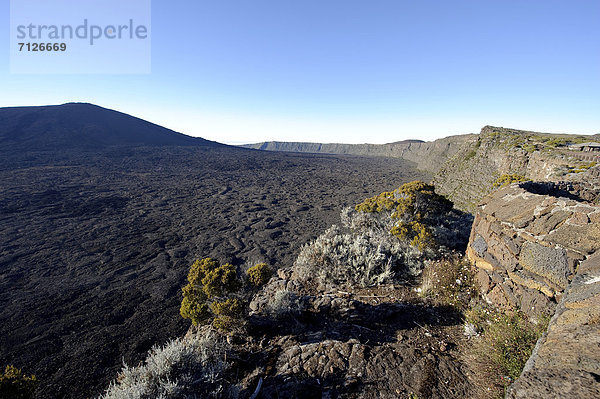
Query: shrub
column 284, row 303
column 382, row 202
column 206, row 279
column 227, row 313
column 584, row 167
column 357, row 220
column 529, row 147
column 15, row 384
column 565, row 141
column 415, row 206
column 193, row 305
column 214, row 279
column 473, row 151
column 220, row 281
column 507, row 179
column 417, row 201
column 360, row 258
column 182, row 367
column 470, row 154
column 389, row 237
column 259, row 274
column 419, row 235
column 411, row 201
column 510, row 341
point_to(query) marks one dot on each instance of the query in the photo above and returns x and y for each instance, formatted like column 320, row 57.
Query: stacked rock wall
column 536, row 249
column 527, row 244
column 566, row 360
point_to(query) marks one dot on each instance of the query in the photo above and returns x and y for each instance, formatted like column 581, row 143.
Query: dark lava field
column 95, row 244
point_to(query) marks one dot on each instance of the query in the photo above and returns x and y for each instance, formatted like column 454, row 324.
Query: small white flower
column 470, row 330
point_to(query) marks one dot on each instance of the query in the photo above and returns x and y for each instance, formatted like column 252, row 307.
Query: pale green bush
column 172, row 370
column 360, row 258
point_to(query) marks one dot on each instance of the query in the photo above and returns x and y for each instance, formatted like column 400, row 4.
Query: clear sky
column 348, row 70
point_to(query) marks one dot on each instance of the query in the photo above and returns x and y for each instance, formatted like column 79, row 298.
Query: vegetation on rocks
column 415, row 208
column 283, row 303
column 385, row 238
column 185, row 367
column 502, row 344
column 259, row 274
column 508, row 179
column 360, row 258
column 449, row 282
column 227, row 313
column 335, row 297
column 209, row 294
column 16, row 385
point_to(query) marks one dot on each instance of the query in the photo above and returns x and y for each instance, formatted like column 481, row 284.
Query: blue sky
column 347, row 70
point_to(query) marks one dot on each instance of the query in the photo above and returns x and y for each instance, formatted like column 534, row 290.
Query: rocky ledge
column 536, row 249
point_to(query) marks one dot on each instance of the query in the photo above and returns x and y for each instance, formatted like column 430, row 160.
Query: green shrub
column 473, row 150
column 529, row 147
column 220, row 281
column 199, row 269
column 411, row 201
column 382, row 202
column 206, row 279
column 417, row 201
column 227, row 313
column 193, row 305
column 416, row 206
column 564, row 141
column 557, row 142
column 14, row 384
column 510, row 339
column 507, row 179
column 418, row 234
column 259, row 274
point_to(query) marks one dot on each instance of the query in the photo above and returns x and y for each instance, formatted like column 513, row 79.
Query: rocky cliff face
column 470, row 174
column 536, row 248
column 566, row 360
column 427, row 155
column 528, row 245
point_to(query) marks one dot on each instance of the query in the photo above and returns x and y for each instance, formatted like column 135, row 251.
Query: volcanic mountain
column 83, row 125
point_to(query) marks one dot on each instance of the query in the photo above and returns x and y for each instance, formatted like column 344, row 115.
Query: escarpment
column 465, row 167
column 427, row 155
column 469, row 175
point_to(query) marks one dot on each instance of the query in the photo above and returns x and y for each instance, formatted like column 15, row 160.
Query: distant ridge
column 83, row 125
column 429, row 156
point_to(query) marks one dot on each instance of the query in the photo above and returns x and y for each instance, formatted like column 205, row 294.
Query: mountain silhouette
column 83, row 125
